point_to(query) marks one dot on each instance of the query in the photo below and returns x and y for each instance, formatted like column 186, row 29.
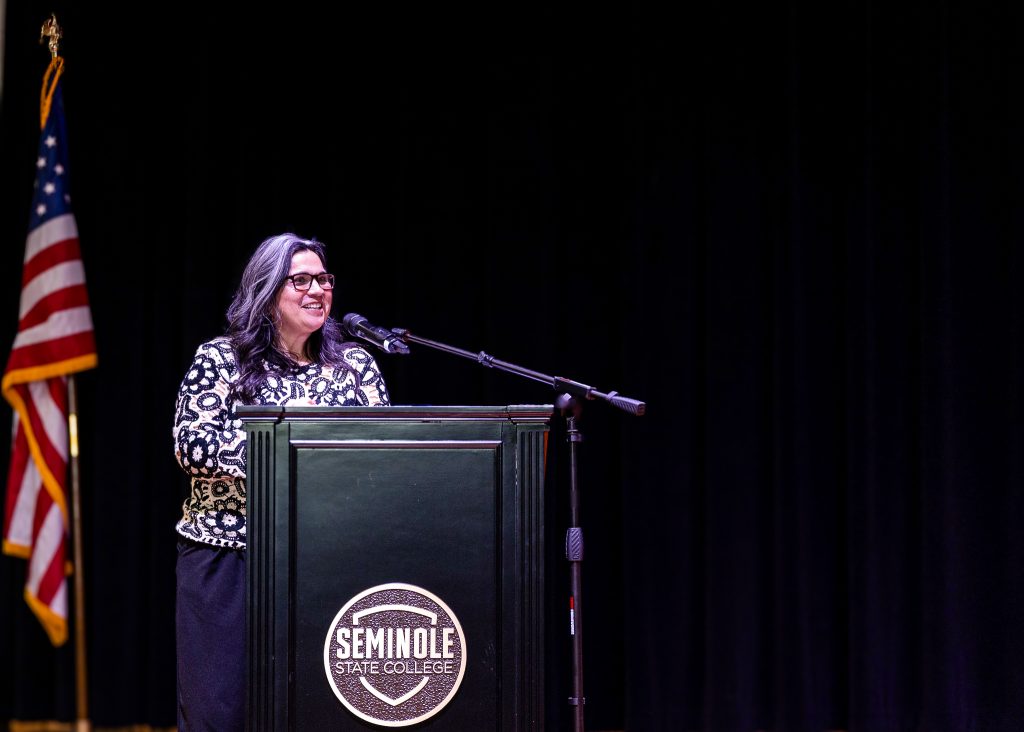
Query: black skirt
column 210, row 627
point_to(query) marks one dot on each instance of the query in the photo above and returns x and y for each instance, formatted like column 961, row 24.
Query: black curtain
column 793, row 230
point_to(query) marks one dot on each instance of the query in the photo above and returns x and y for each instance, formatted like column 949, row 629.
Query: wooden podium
column 350, row 507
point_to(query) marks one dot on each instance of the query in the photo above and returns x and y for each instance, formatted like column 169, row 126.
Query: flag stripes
column 54, row 339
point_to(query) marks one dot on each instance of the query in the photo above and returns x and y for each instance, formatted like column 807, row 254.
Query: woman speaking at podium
column 281, row 347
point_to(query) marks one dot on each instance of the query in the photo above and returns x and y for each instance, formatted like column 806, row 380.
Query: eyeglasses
column 302, row 281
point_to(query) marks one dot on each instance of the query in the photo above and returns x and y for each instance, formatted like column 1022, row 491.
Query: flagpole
column 51, row 32
column 81, row 679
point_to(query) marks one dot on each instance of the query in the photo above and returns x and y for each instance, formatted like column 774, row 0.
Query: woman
column 281, row 347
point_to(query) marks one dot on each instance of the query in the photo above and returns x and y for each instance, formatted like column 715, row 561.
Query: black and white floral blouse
column 210, row 442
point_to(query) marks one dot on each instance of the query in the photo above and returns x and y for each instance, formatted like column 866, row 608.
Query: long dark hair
column 253, row 317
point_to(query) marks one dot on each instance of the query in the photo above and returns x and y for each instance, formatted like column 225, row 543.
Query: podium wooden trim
column 297, row 457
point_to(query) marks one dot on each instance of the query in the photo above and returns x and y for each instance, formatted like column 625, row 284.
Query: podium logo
column 395, row 655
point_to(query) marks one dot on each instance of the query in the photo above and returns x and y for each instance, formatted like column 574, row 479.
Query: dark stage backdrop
column 793, row 229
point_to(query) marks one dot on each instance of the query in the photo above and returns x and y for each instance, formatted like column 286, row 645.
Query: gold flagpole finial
column 53, row 31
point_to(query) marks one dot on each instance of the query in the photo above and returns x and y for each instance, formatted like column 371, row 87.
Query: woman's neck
column 294, row 348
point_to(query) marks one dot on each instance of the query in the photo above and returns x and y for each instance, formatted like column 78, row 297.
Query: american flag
column 55, row 338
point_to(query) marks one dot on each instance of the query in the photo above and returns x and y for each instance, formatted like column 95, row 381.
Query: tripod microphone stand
column 569, row 404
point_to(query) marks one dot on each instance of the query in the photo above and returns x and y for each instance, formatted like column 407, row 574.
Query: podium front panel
column 446, row 500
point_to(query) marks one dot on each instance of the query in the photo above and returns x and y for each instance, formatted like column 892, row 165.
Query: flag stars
column 50, row 141
column 58, row 169
column 40, row 209
column 49, row 188
column 41, row 163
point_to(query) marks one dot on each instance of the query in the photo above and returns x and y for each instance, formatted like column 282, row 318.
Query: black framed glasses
column 302, row 281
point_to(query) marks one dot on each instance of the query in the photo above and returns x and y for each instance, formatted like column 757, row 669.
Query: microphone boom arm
column 632, row 406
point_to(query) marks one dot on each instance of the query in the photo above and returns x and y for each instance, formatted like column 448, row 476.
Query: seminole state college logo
column 395, row 655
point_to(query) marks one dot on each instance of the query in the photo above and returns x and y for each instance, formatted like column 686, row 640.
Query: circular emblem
column 395, row 655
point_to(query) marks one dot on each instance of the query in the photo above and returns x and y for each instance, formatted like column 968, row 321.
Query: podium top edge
column 514, row 412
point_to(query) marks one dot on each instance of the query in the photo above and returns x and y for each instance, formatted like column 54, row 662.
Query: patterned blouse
column 210, row 441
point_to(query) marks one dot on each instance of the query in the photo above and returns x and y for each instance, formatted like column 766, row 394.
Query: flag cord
column 50, row 78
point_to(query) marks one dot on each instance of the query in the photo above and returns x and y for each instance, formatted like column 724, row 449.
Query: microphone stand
column 571, row 408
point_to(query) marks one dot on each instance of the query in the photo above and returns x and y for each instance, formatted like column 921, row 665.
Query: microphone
column 358, row 326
